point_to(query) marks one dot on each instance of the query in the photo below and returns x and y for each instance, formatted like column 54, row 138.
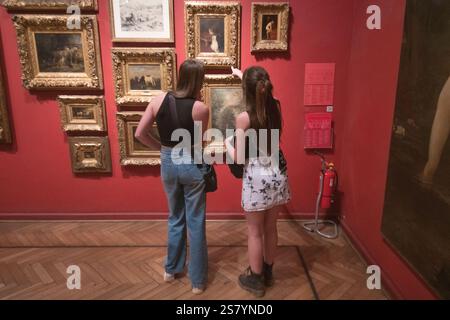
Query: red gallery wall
column 36, row 176
column 372, row 84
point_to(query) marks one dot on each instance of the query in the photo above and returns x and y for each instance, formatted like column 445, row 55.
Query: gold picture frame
column 49, row 5
column 213, row 32
column 141, row 74
column 5, row 130
column 82, row 113
column 132, row 152
column 224, row 95
column 270, row 24
column 142, row 21
column 90, row 154
column 56, row 57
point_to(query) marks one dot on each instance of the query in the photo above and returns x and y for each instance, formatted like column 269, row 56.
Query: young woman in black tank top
column 183, row 182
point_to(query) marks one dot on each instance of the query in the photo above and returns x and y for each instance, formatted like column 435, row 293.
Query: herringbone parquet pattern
column 124, row 260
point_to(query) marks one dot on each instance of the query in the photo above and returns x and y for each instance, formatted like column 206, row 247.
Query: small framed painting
column 82, row 113
column 50, row 5
column 270, row 23
column 141, row 74
column 90, row 154
column 213, row 31
column 132, row 151
column 142, row 20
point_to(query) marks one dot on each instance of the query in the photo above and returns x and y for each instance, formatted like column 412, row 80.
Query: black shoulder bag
column 209, row 174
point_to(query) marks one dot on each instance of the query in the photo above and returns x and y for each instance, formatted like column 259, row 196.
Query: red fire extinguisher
column 329, row 177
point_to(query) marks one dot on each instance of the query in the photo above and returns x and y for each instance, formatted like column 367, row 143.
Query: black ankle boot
column 268, row 276
column 252, row 282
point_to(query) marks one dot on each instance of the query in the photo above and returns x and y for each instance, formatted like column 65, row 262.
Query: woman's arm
column 146, row 124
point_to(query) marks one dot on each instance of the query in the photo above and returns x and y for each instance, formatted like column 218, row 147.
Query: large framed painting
column 90, row 154
column 223, row 93
column 213, row 31
column 54, row 56
column 132, row 151
column 270, row 23
column 82, row 113
column 5, row 131
column 140, row 74
column 49, row 5
column 142, row 20
column 416, row 217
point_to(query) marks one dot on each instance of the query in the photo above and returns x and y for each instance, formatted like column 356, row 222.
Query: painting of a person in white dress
column 212, row 35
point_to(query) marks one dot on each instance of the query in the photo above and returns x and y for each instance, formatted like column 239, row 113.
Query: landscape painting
column 144, row 76
column 142, row 20
column 416, row 218
column 226, row 104
column 59, row 52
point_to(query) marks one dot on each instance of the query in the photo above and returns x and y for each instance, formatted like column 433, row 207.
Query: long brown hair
column 190, row 79
column 263, row 109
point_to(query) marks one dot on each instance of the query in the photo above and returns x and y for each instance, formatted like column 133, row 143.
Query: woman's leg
column 439, row 133
column 271, row 234
column 195, row 202
column 255, row 227
column 176, row 238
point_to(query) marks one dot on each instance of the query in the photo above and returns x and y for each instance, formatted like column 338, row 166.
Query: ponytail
column 263, row 109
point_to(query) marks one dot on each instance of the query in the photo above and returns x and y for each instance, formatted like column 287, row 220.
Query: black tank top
column 166, row 125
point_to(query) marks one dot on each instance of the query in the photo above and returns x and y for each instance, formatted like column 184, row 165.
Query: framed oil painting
column 213, row 31
column 223, row 93
column 82, row 113
column 5, row 131
column 133, row 152
column 49, row 5
column 270, row 23
column 140, row 74
column 416, row 217
column 142, row 20
column 56, row 57
column 90, row 154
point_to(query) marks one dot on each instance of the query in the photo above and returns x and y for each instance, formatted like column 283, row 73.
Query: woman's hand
column 236, row 72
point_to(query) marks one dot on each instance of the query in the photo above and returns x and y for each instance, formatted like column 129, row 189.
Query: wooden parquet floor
column 124, row 260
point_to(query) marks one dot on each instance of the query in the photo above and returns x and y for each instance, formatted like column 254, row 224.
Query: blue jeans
column 185, row 189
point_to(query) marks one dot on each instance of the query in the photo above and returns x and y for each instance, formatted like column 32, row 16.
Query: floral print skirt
column 263, row 186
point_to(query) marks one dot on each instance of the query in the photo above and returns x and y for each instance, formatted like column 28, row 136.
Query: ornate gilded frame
column 123, row 57
column 211, row 82
column 50, row 5
column 126, row 121
column 5, row 131
column 28, row 25
column 98, row 149
column 116, row 38
column 272, row 8
column 231, row 12
column 69, row 123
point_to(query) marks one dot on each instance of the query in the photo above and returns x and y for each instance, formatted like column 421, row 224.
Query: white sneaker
column 168, row 277
column 197, row 290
